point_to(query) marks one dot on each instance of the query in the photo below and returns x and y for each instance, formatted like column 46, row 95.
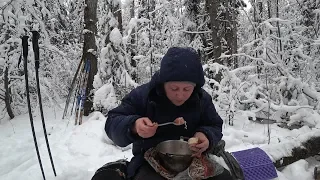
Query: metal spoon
column 168, row 123
column 174, row 123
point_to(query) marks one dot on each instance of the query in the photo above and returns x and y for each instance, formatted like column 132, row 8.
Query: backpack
column 112, row 171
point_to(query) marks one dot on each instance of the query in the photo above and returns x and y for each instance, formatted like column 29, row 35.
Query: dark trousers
column 146, row 172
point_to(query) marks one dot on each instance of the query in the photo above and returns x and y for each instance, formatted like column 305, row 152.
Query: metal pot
column 174, row 155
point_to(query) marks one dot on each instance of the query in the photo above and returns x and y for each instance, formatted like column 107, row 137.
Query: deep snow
column 79, row 150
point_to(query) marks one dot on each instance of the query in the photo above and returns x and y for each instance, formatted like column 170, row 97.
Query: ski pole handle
column 35, row 46
column 25, row 46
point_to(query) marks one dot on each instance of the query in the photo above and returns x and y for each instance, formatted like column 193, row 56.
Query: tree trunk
column 234, row 45
column 7, row 89
column 309, row 148
column 260, row 5
column 269, row 11
column 143, row 11
column 228, row 30
column 147, row 6
column 192, row 10
column 256, row 20
column 117, row 13
column 279, row 49
column 231, row 33
column 151, row 7
column 90, row 49
column 133, row 45
column 215, row 23
column 213, row 6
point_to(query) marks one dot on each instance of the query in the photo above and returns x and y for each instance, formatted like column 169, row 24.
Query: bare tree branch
column 6, row 5
column 2, row 97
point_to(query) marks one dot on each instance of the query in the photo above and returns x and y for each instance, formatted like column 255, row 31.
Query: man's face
column 178, row 92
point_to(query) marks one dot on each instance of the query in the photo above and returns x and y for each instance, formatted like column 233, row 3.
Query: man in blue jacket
column 174, row 91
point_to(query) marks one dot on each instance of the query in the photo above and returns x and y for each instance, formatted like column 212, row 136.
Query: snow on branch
column 195, row 32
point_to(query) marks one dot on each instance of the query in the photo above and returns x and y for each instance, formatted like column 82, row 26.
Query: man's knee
column 112, row 170
column 225, row 175
column 147, row 172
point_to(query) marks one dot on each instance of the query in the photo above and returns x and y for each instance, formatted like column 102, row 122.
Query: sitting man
column 174, row 91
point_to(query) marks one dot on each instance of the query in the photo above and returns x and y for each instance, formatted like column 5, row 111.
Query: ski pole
column 35, row 46
column 25, row 55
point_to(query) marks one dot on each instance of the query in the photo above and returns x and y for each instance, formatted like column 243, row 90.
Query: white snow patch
column 115, row 36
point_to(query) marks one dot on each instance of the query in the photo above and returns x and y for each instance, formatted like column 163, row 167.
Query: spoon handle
column 167, row 123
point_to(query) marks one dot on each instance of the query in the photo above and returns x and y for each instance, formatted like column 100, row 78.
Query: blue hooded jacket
column 149, row 100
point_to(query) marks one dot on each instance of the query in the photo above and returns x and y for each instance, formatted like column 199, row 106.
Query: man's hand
column 201, row 146
column 144, row 127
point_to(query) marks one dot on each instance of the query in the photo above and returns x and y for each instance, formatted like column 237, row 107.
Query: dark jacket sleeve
column 211, row 121
column 121, row 119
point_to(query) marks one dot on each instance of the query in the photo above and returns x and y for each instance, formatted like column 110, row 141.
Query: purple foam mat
column 255, row 164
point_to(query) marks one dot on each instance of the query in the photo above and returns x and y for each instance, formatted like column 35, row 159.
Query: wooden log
column 309, row 148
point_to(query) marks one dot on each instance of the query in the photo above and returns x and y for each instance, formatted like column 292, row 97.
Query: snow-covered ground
column 79, row 150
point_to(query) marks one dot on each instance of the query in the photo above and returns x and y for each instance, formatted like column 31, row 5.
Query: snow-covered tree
column 17, row 19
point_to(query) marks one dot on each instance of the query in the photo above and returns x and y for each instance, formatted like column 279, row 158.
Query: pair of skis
column 79, row 86
column 81, row 95
column 35, row 46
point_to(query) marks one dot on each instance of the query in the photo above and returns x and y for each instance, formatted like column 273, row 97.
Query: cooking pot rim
column 171, row 154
